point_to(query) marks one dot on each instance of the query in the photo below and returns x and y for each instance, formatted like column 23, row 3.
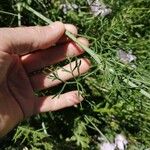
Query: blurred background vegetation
column 111, row 106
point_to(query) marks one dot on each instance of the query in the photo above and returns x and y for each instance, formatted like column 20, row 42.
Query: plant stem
column 8, row 13
column 135, row 86
column 88, row 50
column 19, row 15
column 70, row 35
column 101, row 134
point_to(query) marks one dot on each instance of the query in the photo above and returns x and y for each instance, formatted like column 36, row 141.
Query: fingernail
column 71, row 28
column 79, row 95
column 57, row 25
column 75, row 106
column 84, row 41
column 81, row 98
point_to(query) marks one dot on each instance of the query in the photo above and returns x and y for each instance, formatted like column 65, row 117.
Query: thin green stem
column 88, row 50
column 19, row 13
column 37, row 13
column 8, row 13
column 71, row 36
column 135, row 86
column 101, row 134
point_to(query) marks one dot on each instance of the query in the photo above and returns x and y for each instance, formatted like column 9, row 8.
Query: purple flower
column 126, row 57
column 107, row 146
column 98, row 8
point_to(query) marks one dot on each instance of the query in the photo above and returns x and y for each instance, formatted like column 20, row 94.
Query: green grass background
column 111, row 106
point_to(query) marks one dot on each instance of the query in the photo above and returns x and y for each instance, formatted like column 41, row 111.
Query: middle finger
column 40, row 59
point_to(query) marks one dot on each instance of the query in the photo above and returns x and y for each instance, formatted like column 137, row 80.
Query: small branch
column 101, row 134
column 8, row 13
column 135, row 86
column 37, row 13
column 19, row 13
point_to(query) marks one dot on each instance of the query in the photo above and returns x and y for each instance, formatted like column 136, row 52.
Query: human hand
column 24, row 50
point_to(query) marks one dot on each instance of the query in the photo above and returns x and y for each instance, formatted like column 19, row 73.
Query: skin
column 24, row 50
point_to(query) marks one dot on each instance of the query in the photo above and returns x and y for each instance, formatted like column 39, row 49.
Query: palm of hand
column 20, row 88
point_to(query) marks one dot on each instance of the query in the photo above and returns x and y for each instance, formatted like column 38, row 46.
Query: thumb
column 24, row 40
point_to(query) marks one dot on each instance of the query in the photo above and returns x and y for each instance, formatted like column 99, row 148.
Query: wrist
column 10, row 114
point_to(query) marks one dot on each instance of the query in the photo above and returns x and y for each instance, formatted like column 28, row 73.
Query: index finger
column 23, row 40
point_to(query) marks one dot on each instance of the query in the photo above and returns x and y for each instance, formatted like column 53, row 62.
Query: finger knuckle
column 38, row 37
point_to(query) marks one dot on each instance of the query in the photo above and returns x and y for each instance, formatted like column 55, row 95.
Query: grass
column 111, row 105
